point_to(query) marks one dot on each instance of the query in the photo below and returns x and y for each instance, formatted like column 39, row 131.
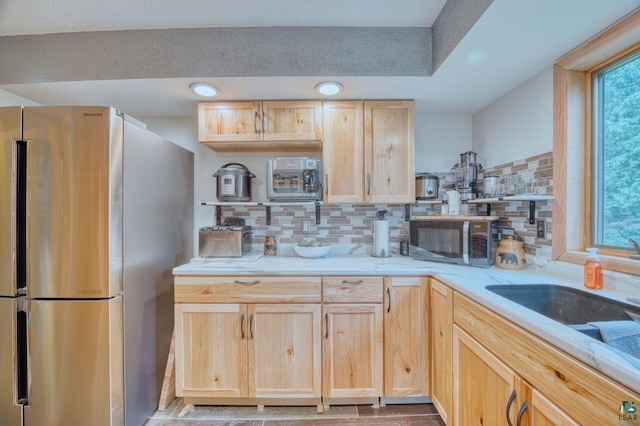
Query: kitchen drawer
column 352, row 289
column 247, row 289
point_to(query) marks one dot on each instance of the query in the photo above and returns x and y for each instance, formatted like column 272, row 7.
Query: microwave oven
column 464, row 240
column 294, row 179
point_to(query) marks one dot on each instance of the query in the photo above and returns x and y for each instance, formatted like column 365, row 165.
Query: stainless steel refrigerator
column 95, row 211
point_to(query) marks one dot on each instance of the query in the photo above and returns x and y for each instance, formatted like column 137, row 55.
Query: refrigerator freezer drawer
column 10, row 412
column 75, row 363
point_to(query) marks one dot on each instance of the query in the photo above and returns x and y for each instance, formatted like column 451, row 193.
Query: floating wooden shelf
column 531, row 198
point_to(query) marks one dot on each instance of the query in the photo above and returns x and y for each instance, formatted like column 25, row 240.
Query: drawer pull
column 251, row 326
column 242, row 326
column 512, row 397
column 247, row 282
column 352, row 282
column 523, row 408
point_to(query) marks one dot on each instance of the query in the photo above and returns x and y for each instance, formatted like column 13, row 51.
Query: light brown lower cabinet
column 501, row 369
column 352, row 350
column 440, row 354
column 278, row 340
column 211, row 340
column 488, row 392
column 406, row 337
column 284, row 351
column 247, row 350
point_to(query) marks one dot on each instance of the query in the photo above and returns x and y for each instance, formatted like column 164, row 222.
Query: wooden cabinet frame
column 261, row 125
column 368, row 152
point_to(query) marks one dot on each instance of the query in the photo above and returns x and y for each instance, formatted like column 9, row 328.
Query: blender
column 466, row 174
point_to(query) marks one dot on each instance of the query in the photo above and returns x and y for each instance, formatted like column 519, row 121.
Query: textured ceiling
column 61, row 16
column 513, row 41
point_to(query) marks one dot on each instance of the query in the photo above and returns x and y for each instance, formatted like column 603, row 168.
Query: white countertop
column 467, row 280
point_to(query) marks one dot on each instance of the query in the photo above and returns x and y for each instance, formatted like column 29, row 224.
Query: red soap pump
column 593, row 270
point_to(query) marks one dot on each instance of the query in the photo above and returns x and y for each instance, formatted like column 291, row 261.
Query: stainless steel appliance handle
column 465, row 242
column 22, row 364
column 247, row 282
column 352, row 282
column 21, row 153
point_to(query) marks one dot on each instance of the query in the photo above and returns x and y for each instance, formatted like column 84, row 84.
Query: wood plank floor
column 343, row 415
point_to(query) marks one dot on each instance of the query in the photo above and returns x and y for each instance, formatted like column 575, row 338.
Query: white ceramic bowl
column 312, row 251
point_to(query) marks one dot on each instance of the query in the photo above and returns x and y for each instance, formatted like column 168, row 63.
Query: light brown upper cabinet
column 368, row 152
column 261, row 126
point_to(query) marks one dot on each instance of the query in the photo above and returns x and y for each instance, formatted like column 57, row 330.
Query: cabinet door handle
column 388, row 299
column 352, row 282
column 326, row 326
column 255, row 122
column 326, row 184
column 247, row 282
column 251, row 326
column 523, row 408
column 242, row 326
column 512, row 397
column 368, row 184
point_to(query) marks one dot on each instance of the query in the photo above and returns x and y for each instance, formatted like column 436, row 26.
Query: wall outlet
column 306, row 226
column 541, row 228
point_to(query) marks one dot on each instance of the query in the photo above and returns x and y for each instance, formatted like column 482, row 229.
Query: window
column 596, row 148
column 615, row 213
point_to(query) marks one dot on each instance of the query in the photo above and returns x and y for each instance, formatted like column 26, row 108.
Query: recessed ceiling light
column 329, row 88
column 204, row 89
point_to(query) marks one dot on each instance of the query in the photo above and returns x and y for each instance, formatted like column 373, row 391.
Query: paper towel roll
column 381, row 238
column 454, row 202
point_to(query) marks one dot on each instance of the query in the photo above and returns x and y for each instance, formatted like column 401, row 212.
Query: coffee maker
column 466, row 175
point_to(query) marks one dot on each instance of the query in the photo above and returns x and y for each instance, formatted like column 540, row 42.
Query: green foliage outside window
column 618, row 170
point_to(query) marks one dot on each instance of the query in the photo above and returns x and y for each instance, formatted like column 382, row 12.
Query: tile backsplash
column 353, row 224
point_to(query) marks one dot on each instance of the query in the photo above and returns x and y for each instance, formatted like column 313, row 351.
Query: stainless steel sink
column 567, row 305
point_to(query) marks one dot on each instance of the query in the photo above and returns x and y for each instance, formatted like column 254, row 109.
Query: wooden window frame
column 572, row 139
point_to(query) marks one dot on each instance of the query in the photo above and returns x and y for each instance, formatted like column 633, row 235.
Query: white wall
column 517, row 125
column 184, row 132
column 440, row 139
column 9, row 99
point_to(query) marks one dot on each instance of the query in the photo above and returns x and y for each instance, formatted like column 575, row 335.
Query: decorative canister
column 510, row 254
column 270, row 245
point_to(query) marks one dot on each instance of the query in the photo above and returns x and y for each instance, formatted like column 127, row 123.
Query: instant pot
column 233, row 183
column 426, row 186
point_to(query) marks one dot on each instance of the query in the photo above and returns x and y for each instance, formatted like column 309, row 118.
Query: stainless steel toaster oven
column 225, row 241
column 294, row 179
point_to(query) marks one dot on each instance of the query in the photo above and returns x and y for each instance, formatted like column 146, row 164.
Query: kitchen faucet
column 635, row 255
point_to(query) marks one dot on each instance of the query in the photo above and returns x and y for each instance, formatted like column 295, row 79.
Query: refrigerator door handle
column 22, row 364
column 21, row 153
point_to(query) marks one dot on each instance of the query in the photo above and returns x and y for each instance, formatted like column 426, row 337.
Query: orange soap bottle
column 593, row 270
